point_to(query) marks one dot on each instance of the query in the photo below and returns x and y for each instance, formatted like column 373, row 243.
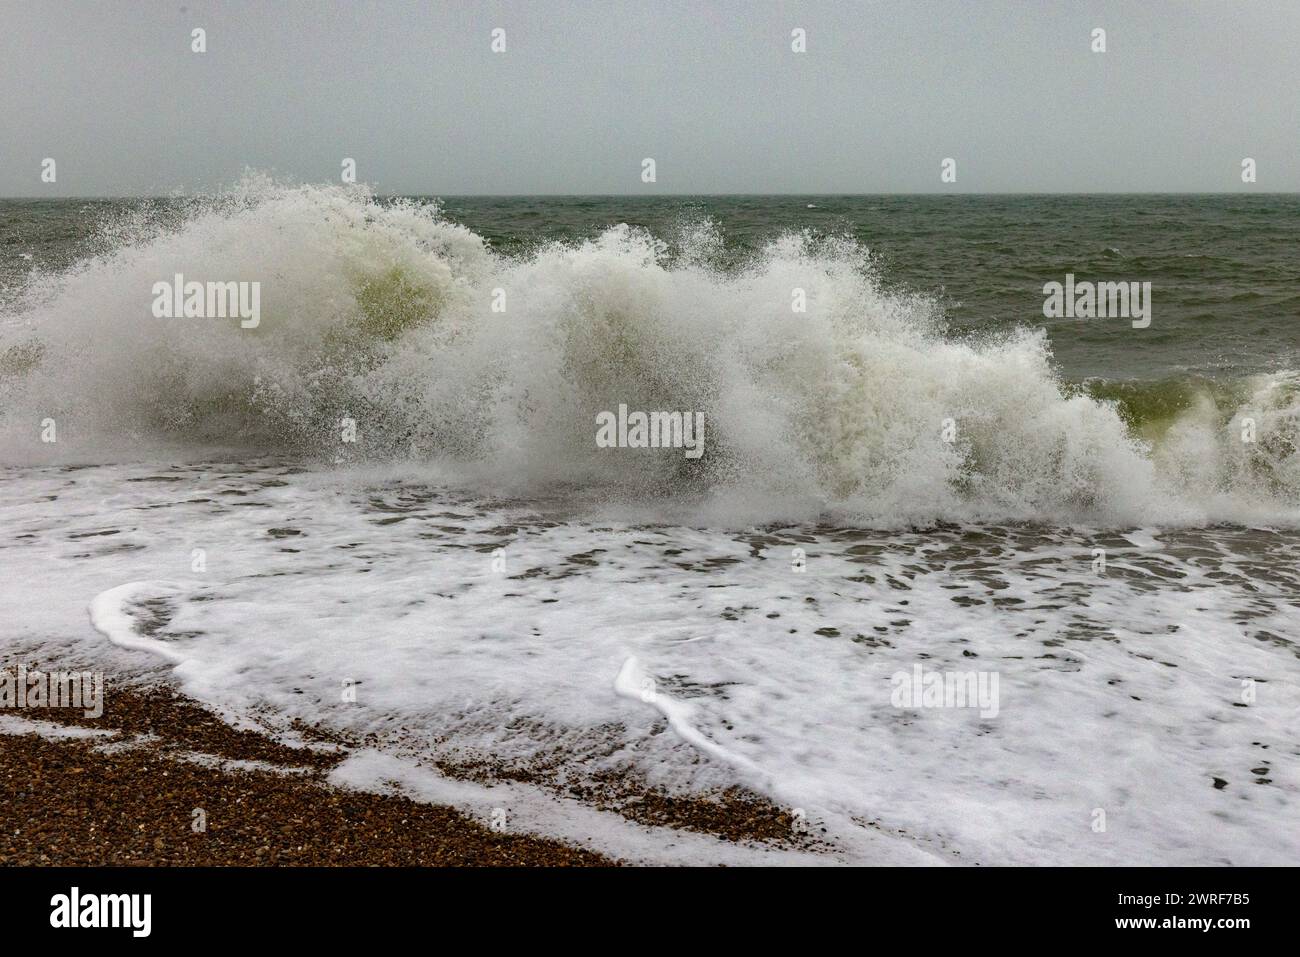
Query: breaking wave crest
column 383, row 312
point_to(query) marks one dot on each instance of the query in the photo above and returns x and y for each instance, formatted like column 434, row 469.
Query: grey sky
column 710, row 89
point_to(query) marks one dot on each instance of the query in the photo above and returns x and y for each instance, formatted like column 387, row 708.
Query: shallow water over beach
column 1161, row 689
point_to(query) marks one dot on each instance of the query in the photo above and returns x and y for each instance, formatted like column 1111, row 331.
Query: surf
column 381, row 314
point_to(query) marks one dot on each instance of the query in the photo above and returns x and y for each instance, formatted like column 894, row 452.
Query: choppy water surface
column 494, row 586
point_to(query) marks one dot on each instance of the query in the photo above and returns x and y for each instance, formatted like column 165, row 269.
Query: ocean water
column 920, row 470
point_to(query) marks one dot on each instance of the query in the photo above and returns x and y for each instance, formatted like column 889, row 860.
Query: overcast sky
column 708, row 88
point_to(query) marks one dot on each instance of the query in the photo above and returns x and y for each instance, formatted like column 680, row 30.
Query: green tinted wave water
column 923, row 310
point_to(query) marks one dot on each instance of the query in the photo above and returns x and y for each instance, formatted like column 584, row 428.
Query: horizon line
column 657, row 195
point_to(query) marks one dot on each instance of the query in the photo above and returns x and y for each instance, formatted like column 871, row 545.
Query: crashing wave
column 438, row 349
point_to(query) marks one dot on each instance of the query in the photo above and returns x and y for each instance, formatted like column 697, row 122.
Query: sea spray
column 493, row 367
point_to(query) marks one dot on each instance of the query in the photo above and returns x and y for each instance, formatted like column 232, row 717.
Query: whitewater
column 475, row 580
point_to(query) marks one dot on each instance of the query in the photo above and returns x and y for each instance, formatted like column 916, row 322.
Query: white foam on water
column 1121, row 691
column 527, row 810
column 860, row 409
column 110, row 613
column 632, row 682
column 51, row 730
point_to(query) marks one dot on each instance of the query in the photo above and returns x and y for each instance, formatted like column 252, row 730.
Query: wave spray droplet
column 386, row 316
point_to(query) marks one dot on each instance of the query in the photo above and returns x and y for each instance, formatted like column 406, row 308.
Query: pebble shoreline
column 65, row 803
column 74, row 802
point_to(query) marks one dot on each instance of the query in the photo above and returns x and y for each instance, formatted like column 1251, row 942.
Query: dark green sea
column 1225, row 270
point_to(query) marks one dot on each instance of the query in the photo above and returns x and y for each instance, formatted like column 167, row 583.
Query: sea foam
column 381, row 313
